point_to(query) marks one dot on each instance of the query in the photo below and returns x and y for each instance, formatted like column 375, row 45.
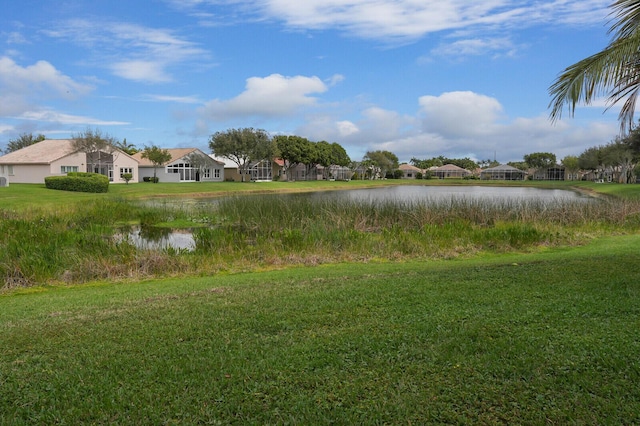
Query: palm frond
column 609, row 72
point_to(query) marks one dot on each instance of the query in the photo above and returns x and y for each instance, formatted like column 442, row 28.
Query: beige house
column 57, row 157
column 410, row 171
column 185, row 165
column 450, row 171
column 259, row 171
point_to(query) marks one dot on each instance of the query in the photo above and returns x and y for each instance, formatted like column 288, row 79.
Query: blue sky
column 420, row 78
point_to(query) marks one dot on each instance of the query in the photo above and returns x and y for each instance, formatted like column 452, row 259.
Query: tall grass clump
column 79, row 242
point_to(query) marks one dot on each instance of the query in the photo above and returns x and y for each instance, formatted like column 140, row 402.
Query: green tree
column 157, row 156
column 23, row 141
column 540, row 160
column 592, row 159
column 94, row 144
column 339, row 156
column 520, row 165
column 292, row 150
column 620, row 158
column 571, row 164
column 383, row 161
column 129, row 148
column 614, row 71
column 243, row 146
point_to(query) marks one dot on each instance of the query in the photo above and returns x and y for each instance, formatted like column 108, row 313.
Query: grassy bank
column 82, row 242
column 541, row 338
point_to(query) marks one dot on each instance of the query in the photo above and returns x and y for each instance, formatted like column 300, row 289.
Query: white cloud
column 271, row 96
column 460, row 49
column 175, row 99
column 411, row 19
column 457, row 124
column 23, row 87
column 131, row 51
column 460, row 113
column 61, row 118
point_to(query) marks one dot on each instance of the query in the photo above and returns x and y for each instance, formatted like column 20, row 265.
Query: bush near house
column 78, row 182
column 151, row 179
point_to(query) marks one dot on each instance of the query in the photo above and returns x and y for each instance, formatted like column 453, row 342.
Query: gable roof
column 503, row 168
column 43, row 152
column 451, row 167
column 409, row 167
column 176, row 154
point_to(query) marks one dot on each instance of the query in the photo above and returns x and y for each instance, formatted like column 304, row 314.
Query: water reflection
column 418, row 193
column 158, row 238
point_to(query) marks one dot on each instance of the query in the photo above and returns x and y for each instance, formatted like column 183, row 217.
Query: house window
column 125, row 170
column 185, row 170
column 206, row 173
column 216, row 173
column 68, row 169
column 10, row 170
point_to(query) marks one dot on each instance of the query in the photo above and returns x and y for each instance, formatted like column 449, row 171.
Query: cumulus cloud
column 456, row 124
column 272, row 96
column 456, row 114
column 22, row 87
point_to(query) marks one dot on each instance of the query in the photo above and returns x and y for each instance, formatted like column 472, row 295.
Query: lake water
column 406, row 193
column 159, row 239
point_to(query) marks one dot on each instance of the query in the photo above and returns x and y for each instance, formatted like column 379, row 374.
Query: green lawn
column 546, row 337
column 518, row 339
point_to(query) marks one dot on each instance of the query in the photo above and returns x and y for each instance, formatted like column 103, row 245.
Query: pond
column 406, row 193
column 163, row 238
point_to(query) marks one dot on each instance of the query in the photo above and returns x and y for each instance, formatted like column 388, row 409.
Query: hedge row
column 78, row 182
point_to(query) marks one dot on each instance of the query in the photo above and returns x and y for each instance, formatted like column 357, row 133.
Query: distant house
column 450, row 171
column 409, row 171
column 258, row 171
column 185, row 165
column 550, row 173
column 502, row 172
column 57, row 157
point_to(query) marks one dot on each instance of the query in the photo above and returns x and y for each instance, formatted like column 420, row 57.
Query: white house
column 185, row 165
column 57, row 157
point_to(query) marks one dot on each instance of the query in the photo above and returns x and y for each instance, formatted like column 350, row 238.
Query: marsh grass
column 76, row 244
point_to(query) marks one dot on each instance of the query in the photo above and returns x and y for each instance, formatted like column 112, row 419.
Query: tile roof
column 176, row 154
column 44, row 152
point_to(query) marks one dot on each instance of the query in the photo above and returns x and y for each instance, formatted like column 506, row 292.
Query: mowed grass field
column 545, row 337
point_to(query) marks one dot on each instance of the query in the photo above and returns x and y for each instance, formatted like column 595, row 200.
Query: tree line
column 246, row 146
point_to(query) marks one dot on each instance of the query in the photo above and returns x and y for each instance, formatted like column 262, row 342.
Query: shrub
column 151, row 179
column 78, row 182
column 127, row 177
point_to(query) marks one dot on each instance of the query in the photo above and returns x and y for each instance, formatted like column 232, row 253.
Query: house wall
column 27, row 173
column 161, row 173
column 123, row 161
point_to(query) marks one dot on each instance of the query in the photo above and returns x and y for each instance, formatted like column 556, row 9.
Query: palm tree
column 613, row 72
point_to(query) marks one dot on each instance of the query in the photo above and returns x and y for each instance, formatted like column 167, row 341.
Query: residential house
column 57, row 157
column 502, row 172
column 185, row 165
column 258, row 171
column 410, row 171
column 450, row 171
column 549, row 173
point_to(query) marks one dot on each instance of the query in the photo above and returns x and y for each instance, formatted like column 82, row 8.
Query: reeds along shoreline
column 76, row 245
